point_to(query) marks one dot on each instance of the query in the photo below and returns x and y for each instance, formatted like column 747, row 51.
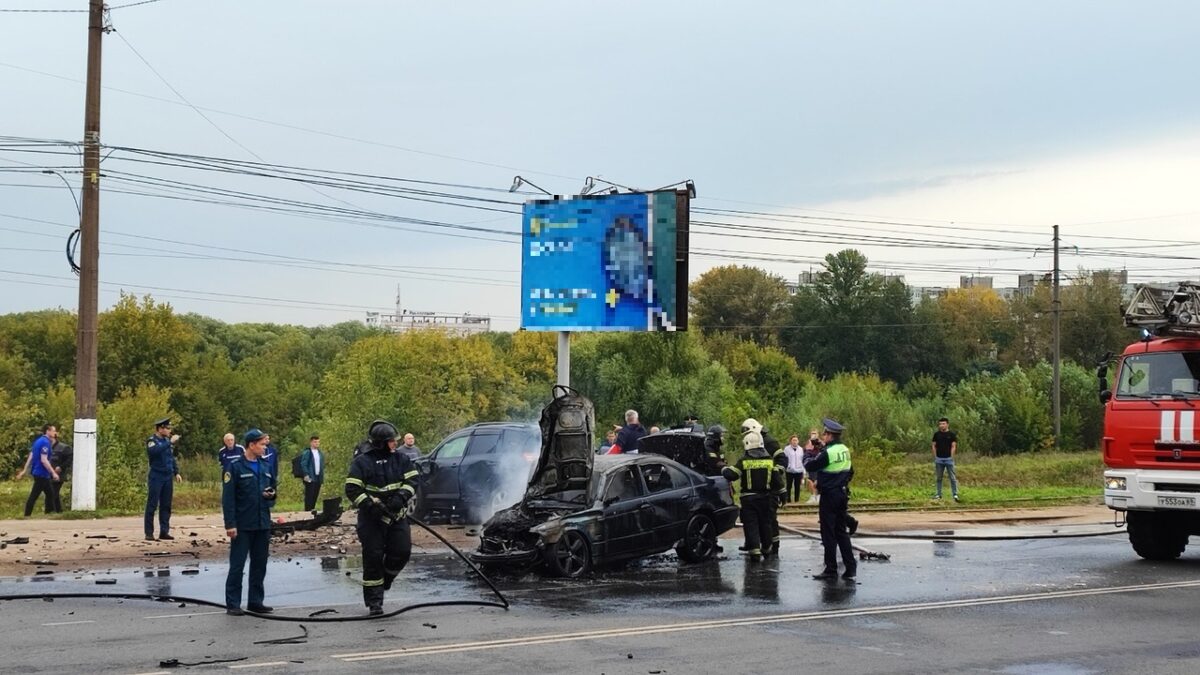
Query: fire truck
column 1151, row 441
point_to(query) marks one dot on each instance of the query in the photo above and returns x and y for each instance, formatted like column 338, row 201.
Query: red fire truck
column 1151, row 438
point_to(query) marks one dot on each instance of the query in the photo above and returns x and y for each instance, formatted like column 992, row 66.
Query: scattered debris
column 190, row 571
column 41, row 562
column 96, row 536
column 176, row 663
column 319, row 612
column 864, row 554
column 43, row 572
column 430, row 625
column 296, row 640
column 106, row 582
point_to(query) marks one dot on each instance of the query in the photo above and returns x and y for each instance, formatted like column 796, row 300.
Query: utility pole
column 1056, row 310
column 83, row 487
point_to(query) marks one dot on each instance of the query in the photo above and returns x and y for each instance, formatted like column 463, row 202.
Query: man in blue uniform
column 163, row 470
column 38, row 463
column 247, row 494
column 229, row 451
column 381, row 483
column 833, row 470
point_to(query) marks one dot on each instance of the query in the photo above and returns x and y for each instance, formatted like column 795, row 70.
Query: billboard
column 605, row 262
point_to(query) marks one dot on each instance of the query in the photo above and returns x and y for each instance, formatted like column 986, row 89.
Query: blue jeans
column 945, row 464
column 256, row 544
column 161, row 490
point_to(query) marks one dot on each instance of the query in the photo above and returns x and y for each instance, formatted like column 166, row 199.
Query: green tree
column 141, row 344
column 852, row 320
column 45, row 340
column 1092, row 323
column 745, row 302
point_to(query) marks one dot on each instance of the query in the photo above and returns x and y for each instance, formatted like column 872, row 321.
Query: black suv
column 477, row 471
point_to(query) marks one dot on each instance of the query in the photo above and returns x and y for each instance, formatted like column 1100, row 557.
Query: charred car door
column 671, row 497
column 626, row 519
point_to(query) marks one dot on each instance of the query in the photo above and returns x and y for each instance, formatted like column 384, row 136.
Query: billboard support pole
column 564, row 358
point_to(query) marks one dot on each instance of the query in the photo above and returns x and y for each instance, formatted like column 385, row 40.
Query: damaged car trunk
column 581, row 511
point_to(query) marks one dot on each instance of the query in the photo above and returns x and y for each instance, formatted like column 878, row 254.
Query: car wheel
column 570, row 556
column 699, row 540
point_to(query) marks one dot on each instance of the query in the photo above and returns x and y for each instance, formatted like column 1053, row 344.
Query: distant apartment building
column 404, row 320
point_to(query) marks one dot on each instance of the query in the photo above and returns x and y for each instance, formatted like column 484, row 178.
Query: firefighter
column 834, row 471
column 714, row 458
column 760, row 479
column 775, row 451
column 381, row 484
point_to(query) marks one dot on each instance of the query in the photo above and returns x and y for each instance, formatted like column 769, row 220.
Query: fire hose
column 501, row 602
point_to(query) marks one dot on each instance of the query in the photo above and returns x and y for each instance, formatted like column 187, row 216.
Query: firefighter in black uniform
column 761, row 479
column 714, row 458
column 834, row 471
column 381, row 484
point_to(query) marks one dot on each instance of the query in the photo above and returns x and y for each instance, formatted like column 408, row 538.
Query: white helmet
column 751, row 424
column 752, row 440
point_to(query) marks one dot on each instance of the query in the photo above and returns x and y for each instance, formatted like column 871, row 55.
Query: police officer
column 714, row 457
column 163, row 470
column 775, row 450
column 247, row 494
column 833, row 469
column 381, row 484
column 761, row 478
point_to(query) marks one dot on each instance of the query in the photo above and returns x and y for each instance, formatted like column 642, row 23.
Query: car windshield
column 1160, row 374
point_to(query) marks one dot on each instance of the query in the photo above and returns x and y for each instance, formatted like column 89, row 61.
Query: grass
column 1039, row 479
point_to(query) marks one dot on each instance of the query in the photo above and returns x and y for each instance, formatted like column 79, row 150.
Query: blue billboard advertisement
column 605, row 262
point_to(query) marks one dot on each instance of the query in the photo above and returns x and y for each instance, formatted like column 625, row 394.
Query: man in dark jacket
column 312, row 464
column 247, row 494
column 629, row 437
column 381, row 484
column 834, row 470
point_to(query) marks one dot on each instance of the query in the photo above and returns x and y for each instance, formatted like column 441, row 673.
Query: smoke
column 516, row 456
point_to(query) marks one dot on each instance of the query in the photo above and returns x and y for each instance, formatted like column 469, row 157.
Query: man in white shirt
column 313, row 464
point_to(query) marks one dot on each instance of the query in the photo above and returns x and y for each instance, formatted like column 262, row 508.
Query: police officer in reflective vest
column 247, row 494
column 163, row 470
column 833, row 470
column 761, row 478
column 381, row 484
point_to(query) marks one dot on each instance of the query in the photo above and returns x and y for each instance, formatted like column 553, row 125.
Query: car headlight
column 1114, row 483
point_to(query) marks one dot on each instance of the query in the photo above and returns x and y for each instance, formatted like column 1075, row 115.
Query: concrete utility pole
column 83, row 487
column 1056, row 309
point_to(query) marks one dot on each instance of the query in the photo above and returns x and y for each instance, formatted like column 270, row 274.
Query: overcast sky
column 927, row 122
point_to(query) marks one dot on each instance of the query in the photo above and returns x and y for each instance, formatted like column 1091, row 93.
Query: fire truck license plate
column 1177, row 501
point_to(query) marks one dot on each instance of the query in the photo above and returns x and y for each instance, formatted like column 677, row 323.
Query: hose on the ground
column 502, row 604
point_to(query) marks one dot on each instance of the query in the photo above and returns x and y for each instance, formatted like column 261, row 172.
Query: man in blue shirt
column 43, row 471
column 247, row 494
column 163, row 470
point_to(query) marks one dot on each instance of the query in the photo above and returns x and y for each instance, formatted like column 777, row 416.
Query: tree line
column 851, row 346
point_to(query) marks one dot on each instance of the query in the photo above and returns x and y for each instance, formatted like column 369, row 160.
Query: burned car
column 581, row 511
column 694, row 449
column 633, row 506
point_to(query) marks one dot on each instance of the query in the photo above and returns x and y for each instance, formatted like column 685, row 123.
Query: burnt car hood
column 568, row 424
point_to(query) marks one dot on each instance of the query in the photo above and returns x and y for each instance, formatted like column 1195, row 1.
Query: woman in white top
column 795, row 468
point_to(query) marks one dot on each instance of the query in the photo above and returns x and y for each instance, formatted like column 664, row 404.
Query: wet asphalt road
column 1057, row 606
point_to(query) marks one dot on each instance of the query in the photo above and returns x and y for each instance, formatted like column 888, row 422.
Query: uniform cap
column 832, row 426
column 751, row 424
column 752, row 440
column 164, row 422
column 252, row 436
